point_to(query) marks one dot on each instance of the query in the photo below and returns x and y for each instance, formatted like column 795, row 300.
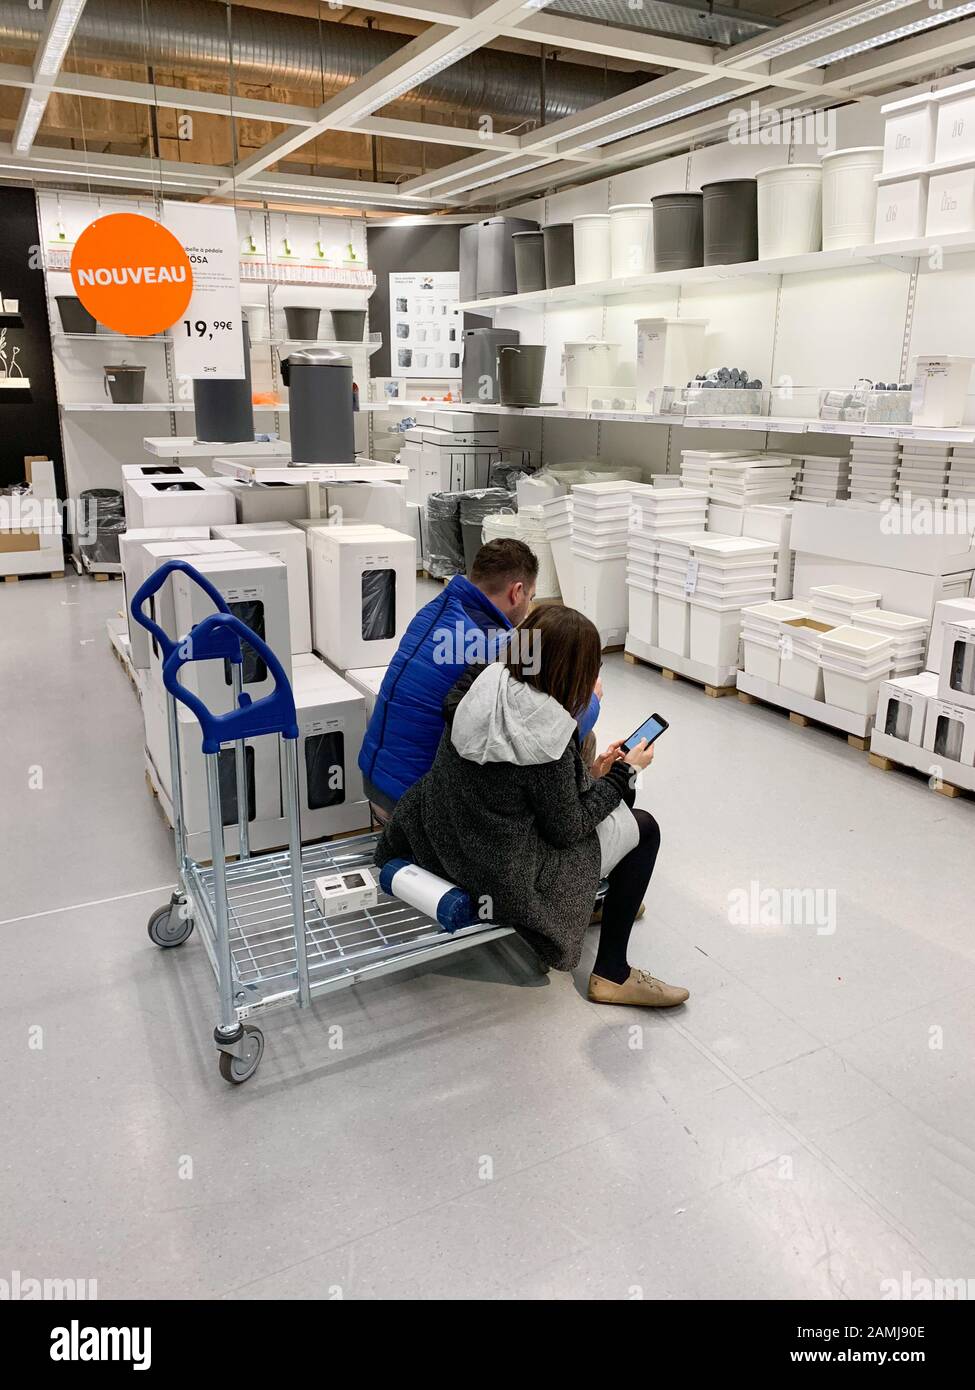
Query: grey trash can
column 730, row 221
column 678, row 230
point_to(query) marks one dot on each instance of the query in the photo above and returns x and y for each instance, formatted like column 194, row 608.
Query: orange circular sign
column 132, row 274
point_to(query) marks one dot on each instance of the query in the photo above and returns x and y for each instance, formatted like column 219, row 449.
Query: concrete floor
column 803, row 1128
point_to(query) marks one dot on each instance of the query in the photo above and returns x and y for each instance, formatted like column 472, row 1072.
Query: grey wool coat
column 509, row 812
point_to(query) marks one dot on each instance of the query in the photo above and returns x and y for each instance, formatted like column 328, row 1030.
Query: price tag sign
column 208, row 342
column 690, row 578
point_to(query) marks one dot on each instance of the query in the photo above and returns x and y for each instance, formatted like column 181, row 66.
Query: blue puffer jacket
column 457, row 628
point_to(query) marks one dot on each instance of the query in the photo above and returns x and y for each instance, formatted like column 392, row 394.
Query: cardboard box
column 39, row 472
column 374, row 504
column 367, row 681
column 178, row 502
column 271, row 501
column 364, row 583
column 902, row 706
column 331, row 725
column 870, row 538
column 287, row 544
column 956, row 678
column 954, row 610
column 949, row 731
column 255, row 587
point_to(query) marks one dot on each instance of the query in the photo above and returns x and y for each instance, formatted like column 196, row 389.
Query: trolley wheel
column 168, row 928
column 236, row 1070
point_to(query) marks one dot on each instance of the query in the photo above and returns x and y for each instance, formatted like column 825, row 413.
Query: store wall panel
column 835, row 327
column 741, row 323
column 640, row 185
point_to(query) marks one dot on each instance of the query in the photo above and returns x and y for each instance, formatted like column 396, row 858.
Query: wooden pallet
column 16, row 578
column 714, row 691
column 886, row 764
column 100, row 577
column 803, row 721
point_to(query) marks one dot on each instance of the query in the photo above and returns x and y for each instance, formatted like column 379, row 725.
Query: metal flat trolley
column 266, row 938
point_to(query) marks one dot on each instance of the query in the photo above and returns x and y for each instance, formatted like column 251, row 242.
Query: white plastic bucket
column 591, row 363
column 790, row 210
column 590, row 236
column 850, row 196
column 631, row 237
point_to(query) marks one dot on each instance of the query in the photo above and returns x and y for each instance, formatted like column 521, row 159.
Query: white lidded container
column 669, row 352
column 673, row 624
column 902, row 206
column 940, row 389
column 790, row 210
column 955, row 138
column 591, row 245
column 951, row 203
column 850, row 196
column 590, row 363
column 631, row 239
column 909, row 133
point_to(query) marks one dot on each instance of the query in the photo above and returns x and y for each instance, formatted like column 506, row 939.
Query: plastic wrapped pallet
column 474, row 507
column 103, row 513
column 445, row 546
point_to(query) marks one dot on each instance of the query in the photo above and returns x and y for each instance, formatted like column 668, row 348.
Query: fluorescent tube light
column 422, row 75
column 903, row 31
column 29, row 122
column 57, row 40
column 655, row 121
column 840, row 25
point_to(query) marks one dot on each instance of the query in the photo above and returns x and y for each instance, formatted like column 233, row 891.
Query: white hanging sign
column 207, row 340
column 425, row 324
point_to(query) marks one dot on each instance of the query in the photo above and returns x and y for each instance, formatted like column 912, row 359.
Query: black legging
column 627, row 885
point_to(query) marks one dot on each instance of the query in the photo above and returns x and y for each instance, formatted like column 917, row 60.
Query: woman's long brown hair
column 558, row 651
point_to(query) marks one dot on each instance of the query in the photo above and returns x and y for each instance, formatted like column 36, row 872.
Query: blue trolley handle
column 154, row 583
column 220, row 636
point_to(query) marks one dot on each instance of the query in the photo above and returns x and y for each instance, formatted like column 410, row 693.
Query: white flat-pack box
column 331, row 726
column 956, row 677
column 177, row 502
column 904, row 591
column 139, row 559
column 255, row 588
column 902, row 706
column 883, row 536
column 364, row 581
column 949, row 731
column 270, row 501
column 287, row 544
column 953, row 610
column 367, row 680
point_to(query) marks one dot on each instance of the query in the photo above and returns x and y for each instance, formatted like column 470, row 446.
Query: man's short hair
column 503, row 562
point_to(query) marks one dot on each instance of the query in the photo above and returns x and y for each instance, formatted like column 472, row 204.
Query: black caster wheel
column 237, row 1070
column 167, row 927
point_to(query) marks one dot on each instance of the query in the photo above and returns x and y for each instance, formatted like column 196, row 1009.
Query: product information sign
column 425, row 324
column 207, row 339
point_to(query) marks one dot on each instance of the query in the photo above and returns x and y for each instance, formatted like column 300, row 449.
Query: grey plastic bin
column 730, row 221
column 560, row 259
column 529, row 261
column 496, row 254
column 678, row 230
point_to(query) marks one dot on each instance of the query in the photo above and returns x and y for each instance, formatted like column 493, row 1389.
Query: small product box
column 331, row 726
column 140, row 557
column 287, row 544
column 178, row 502
column 902, row 706
column 364, row 585
column 956, row 679
column 949, row 732
column 949, row 610
column 347, row 893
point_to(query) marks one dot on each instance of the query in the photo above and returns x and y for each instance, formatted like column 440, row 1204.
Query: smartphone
column 650, row 730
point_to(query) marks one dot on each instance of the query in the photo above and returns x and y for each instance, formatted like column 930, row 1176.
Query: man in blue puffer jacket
column 463, row 625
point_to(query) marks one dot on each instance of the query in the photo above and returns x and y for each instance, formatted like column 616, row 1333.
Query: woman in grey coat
column 510, row 813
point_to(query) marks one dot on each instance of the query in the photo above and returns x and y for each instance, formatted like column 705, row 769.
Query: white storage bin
column 714, row 635
column 762, row 657
column 901, row 209
column 642, row 612
column 802, row 673
column 850, row 196
column 590, row 363
column 909, row 133
column 790, row 210
column 955, row 137
column 855, row 693
column 600, row 593
column 951, row 203
column 669, row 352
column 591, row 247
column 631, row 235
column 673, row 624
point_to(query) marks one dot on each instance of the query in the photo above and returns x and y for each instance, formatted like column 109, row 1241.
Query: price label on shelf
column 208, row 342
column 690, row 578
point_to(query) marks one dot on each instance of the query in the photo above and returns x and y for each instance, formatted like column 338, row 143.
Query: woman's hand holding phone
column 640, row 756
column 606, row 760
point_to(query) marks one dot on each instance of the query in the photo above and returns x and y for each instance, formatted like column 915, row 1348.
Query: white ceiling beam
column 62, row 20
column 44, row 163
column 430, row 134
column 455, row 12
column 926, row 51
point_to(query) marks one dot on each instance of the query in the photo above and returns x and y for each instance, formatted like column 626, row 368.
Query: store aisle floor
column 802, row 1128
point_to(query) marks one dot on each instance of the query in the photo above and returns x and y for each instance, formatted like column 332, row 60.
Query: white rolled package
column 437, row 897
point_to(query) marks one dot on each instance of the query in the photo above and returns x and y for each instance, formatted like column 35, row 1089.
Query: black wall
column 29, row 425
column 404, row 248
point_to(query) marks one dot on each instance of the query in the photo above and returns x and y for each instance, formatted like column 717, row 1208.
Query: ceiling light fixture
column 777, row 48
column 409, row 83
column 487, row 164
column 496, row 178
column 919, row 26
column 655, row 121
column 29, row 122
column 57, row 40
column 624, row 111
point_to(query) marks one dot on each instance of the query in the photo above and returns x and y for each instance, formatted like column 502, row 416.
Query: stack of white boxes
column 822, row 479
column 177, row 502
column 837, row 603
column 767, row 522
column 31, row 530
column 696, row 464
column 331, row 724
column 287, row 544
column 908, row 635
column 961, row 472
column 448, row 451
column 364, row 593
column 703, row 583
column 600, row 526
column 923, row 470
column 763, row 637
column 759, row 478
column 557, row 524
column 655, row 512
column 873, row 469
column 855, row 664
column 142, row 553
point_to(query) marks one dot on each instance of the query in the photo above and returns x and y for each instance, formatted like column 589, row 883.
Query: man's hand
column 606, row 760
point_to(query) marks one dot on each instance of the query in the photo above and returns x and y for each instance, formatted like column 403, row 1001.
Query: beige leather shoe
column 641, row 989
